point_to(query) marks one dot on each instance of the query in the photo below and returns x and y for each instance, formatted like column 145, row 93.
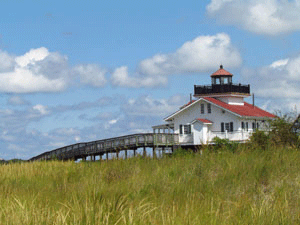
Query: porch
column 239, row 136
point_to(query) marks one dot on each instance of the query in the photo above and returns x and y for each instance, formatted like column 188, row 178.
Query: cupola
column 221, row 76
column 223, row 88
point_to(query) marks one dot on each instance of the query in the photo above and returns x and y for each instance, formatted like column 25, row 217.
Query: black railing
column 221, row 88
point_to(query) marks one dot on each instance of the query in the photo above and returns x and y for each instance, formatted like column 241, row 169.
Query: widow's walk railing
column 221, row 88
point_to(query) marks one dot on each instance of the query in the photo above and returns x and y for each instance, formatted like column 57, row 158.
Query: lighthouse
column 218, row 111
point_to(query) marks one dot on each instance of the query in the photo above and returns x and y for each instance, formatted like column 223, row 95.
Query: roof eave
column 180, row 110
column 259, row 117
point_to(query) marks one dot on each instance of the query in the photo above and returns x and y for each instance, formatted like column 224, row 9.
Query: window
column 202, row 108
column 245, row 126
column 227, row 126
column 257, row 125
column 208, row 108
column 226, row 80
column 187, row 129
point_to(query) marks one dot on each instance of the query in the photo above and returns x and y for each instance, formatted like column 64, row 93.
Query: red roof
column 220, row 72
column 190, row 102
column 204, row 120
column 242, row 110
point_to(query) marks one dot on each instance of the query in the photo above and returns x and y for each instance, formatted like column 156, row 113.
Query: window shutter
column 243, row 125
column 231, row 126
column 222, row 127
column 180, row 129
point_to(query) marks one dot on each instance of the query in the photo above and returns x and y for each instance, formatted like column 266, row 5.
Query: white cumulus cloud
column 121, row 77
column 269, row 17
column 199, row 55
column 40, row 70
column 91, row 74
column 279, row 82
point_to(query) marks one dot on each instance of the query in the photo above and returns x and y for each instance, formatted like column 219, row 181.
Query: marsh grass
column 220, row 187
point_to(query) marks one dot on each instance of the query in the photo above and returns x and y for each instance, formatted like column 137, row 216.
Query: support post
column 106, row 156
column 144, row 152
column 126, row 154
column 134, row 152
column 154, row 153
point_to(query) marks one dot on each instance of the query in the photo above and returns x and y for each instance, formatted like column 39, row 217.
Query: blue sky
column 79, row 71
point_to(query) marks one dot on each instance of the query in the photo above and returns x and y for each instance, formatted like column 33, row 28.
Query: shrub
column 259, row 139
column 224, row 144
column 280, row 133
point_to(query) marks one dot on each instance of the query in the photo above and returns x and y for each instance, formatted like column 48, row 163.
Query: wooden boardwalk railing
column 111, row 145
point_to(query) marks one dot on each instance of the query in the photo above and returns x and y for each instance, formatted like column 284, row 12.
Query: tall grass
column 244, row 187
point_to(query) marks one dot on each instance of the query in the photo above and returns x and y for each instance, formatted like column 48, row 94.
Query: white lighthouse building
column 218, row 111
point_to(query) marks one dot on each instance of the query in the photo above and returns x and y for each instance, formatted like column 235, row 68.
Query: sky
column 77, row 71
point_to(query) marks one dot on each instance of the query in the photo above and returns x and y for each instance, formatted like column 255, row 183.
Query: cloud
column 199, row 55
column 17, row 100
column 101, row 102
column 40, row 70
column 91, row 74
column 43, row 110
column 270, row 17
column 7, row 62
column 147, row 106
column 126, row 116
column 279, row 82
column 120, row 77
column 26, row 73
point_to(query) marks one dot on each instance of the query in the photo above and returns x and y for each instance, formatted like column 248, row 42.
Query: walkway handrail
column 111, row 144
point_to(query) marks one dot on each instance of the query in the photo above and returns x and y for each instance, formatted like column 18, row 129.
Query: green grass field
column 245, row 187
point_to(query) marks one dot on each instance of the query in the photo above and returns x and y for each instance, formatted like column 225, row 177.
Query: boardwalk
column 111, row 145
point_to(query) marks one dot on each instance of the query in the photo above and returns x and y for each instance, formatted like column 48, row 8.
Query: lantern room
column 221, row 77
